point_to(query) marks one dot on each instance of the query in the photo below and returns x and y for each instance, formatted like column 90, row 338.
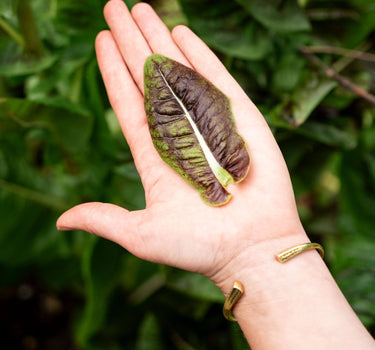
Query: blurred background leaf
column 60, row 144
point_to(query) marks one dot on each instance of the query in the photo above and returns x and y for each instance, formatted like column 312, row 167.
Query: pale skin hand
column 292, row 306
column 177, row 228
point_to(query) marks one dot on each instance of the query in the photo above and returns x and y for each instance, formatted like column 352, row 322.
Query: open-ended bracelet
column 291, row 252
column 231, row 300
column 281, row 257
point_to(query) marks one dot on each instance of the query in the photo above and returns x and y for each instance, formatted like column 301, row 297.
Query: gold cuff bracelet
column 281, row 257
column 231, row 300
column 291, row 252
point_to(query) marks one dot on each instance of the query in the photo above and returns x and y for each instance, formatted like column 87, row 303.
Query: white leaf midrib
column 220, row 173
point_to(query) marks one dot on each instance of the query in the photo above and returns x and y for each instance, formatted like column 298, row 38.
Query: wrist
column 256, row 264
column 296, row 305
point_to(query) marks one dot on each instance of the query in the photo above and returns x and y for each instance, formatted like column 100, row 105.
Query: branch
column 357, row 54
column 332, row 74
column 8, row 29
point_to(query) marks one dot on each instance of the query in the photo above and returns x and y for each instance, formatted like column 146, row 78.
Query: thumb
column 108, row 221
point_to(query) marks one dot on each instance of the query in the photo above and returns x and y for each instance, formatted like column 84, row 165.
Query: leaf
column 149, row 335
column 358, row 31
column 81, row 19
column 238, row 340
column 13, row 64
column 34, row 196
column 27, row 232
column 170, row 13
column 101, row 267
column 308, row 97
column 352, row 268
column 357, row 193
column 193, row 128
column 70, row 123
column 196, row 286
column 227, row 28
column 328, row 134
column 288, row 72
column 280, row 16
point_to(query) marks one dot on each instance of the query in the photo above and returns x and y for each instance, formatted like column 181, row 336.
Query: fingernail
column 62, row 227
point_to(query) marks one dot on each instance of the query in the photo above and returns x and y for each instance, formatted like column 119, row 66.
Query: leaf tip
column 155, row 58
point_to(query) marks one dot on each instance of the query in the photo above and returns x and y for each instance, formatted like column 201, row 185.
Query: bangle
column 291, row 252
column 281, row 257
column 231, row 300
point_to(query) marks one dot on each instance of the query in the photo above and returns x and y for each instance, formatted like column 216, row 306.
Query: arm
column 296, row 305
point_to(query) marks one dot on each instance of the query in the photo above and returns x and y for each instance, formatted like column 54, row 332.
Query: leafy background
column 60, row 145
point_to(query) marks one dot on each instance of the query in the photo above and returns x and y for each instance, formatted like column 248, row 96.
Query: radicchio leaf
column 193, row 128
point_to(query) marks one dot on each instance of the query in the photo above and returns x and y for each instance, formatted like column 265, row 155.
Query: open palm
column 177, row 228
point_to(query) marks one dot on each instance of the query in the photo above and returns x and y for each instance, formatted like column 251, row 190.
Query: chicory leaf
column 193, row 128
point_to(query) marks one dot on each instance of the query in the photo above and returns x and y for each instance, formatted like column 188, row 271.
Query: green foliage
column 60, row 145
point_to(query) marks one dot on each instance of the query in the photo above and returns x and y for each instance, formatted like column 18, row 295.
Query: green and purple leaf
column 193, row 128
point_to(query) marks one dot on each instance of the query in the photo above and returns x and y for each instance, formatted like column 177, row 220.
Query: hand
column 236, row 241
column 177, row 228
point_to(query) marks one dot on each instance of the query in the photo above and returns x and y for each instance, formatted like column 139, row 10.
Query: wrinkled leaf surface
column 193, row 129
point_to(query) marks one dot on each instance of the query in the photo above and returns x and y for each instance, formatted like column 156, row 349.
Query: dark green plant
column 307, row 64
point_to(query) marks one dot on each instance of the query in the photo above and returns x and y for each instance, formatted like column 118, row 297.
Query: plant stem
column 8, row 29
column 33, row 43
column 357, row 54
column 32, row 195
column 331, row 73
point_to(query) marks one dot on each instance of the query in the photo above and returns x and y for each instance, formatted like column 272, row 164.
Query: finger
column 108, row 221
column 130, row 41
column 127, row 102
column 142, row 233
column 156, row 33
column 124, row 96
